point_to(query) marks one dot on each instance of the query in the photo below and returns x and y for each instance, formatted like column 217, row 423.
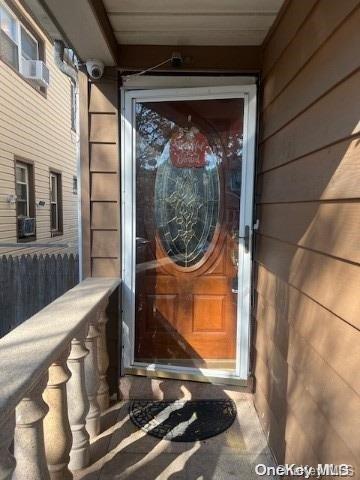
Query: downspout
column 72, row 73
column 67, row 69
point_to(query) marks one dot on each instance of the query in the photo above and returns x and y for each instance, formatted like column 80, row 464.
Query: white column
column 7, row 461
column 57, row 432
column 29, row 448
column 78, row 403
column 92, row 380
column 103, row 363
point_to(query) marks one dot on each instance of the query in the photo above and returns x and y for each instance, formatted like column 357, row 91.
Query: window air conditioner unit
column 36, row 71
column 26, row 226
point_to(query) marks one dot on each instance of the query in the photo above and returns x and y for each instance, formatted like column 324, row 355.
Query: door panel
column 188, row 159
column 209, row 312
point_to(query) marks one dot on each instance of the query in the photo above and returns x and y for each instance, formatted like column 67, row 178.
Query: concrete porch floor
column 122, row 451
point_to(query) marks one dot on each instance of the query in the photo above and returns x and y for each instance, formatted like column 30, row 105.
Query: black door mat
column 183, row 421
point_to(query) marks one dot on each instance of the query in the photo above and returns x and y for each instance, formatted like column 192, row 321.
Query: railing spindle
column 92, row 380
column 57, row 432
column 78, row 403
column 103, row 363
column 29, row 448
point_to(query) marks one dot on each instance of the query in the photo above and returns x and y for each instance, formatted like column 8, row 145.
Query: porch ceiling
column 105, row 29
column 189, row 22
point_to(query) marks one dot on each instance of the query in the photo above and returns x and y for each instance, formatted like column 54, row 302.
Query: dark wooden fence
column 29, row 283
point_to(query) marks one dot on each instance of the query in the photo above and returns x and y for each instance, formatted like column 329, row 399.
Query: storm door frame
column 129, row 98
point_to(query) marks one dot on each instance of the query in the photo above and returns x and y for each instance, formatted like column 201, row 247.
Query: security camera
column 95, row 69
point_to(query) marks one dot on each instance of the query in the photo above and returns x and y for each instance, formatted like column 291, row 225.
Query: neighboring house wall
column 307, row 250
column 37, row 128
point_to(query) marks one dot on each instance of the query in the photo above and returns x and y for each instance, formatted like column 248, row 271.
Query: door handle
column 141, row 241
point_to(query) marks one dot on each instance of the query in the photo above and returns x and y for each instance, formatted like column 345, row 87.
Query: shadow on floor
column 123, row 451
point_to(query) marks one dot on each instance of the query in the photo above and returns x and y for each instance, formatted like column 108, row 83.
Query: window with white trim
column 55, row 203
column 25, row 201
column 22, row 189
column 73, row 106
column 29, row 46
column 16, row 42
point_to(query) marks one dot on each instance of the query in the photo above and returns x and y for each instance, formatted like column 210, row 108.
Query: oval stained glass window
column 186, row 207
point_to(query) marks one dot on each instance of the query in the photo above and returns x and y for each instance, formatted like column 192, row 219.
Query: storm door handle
column 141, row 241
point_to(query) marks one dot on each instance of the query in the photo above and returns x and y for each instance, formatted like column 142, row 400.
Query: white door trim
column 128, row 195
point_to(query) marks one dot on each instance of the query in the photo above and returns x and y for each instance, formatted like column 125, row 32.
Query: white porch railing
column 53, row 385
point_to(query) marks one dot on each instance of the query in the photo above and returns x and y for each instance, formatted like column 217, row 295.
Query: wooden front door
column 188, row 157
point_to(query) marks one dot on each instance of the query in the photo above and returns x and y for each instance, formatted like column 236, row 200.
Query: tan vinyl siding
column 307, row 275
column 38, row 129
column 104, row 176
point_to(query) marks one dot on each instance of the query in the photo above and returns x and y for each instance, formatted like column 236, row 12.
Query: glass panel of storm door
column 188, row 183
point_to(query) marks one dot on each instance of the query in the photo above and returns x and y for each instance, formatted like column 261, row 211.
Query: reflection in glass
column 188, row 186
column 186, row 208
